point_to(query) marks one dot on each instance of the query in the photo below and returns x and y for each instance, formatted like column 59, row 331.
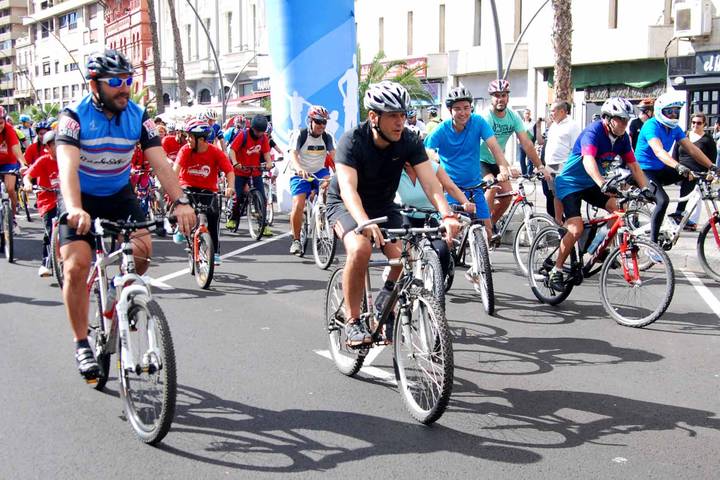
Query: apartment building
column 11, row 13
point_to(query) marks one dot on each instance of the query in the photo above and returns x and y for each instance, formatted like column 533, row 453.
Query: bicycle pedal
column 91, row 381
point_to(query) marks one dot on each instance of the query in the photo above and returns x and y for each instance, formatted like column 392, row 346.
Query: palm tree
column 406, row 77
column 179, row 65
column 562, row 44
column 149, row 102
column 43, row 111
column 156, row 55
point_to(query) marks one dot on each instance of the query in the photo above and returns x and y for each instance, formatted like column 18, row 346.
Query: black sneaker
column 357, row 334
column 86, row 364
column 556, row 280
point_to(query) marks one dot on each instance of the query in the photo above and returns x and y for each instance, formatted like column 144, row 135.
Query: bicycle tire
column 97, row 339
column 24, row 203
column 481, row 271
column 255, row 214
column 540, row 262
column 204, row 267
column 131, row 382
column 269, row 207
column 450, row 277
column 55, row 257
column 324, row 241
column 425, row 400
column 348, row 361
column 304, row 232
column 522, row 241
column 8, row 232
column 431, row 273
column 619, row 312
column 708, row 247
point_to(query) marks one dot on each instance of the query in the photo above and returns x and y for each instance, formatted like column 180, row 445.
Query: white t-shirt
column 313, row 152
column 561, row 138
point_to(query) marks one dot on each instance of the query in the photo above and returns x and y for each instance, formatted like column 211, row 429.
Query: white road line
column 375, row 372
column 704, row 292
column 161, row 281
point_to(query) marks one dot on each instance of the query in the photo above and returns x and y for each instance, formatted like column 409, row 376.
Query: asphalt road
column 540, row 392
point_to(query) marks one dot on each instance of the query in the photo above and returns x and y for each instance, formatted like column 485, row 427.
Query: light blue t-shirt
column 460, row 151
column 654, row 129
column 412, row 194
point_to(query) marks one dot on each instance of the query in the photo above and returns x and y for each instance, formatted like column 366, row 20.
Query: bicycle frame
column 519, row 200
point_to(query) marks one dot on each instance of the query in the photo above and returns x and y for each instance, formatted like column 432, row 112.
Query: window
column 75, row 89
column 188, row 34
column 204, row 96
column 63, row 21
column 228, row 17
column 45, row 28
column 207, row 27
column 72, row 20
column 613, row 14
column 47, row 94
column 441, row 39
column 46, row 68
column 92, row 11
column 57, row 67
column 65, row 92
column 381, row 34
column 476, row 25
column 166, row 99
column 410, row 33
column 56, row 92
column 37, row 71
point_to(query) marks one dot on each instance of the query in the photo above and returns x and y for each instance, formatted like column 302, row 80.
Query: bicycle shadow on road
column 239, row 284
column 6, row 298
column 234, row 435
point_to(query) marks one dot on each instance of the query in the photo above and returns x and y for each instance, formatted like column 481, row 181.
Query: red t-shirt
column 34, row 152
column 251, row 152
column 138, row 160
column 171, row 146
column 45, row 170
column 200, row 170
column 8, row 139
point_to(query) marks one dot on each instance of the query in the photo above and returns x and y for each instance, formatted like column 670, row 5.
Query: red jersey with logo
column 171, row 146
column 201, row 170
column 249, row 154
column 8, row 139
column 45, row 170
column 35, row 151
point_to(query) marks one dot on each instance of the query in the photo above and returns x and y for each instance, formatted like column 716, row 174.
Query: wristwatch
column 182, row 200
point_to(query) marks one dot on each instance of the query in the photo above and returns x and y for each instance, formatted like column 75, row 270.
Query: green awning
column 634, row 74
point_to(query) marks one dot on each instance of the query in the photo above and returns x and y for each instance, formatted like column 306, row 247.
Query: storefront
column 699, row 76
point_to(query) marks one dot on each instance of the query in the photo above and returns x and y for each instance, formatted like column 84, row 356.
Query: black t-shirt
column 635, row 126
column 378, row 170
column 704, row 143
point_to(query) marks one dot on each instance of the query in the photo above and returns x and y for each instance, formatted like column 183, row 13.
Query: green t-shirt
column 503, row 128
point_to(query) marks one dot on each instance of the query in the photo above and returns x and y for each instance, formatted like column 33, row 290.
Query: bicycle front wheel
column 481, row 271
column 55, row 257
column 8, row 225
column 543, row 254
column 633, row 296
column 98, row 338
column 24, row 204
column 324, row 241
column 347, row 360
column 270, row 206
column 305, row 230
column 256, row 214
column 424, row 359
column 526, row 233
column 708, row 249
column 204, row 260
column 148, row 384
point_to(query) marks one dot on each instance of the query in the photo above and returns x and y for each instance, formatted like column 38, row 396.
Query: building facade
column 11, row 14
column 127, row 29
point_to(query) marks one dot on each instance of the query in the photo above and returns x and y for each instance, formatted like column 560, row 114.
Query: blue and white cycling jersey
column 106, row 144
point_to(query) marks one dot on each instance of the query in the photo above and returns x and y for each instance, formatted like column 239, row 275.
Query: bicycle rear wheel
column 481, row 270
column 255, row 214
column 204, row 261
column 450, row 277
column 424, row 359
column 632, row 296
column 324, row 241
column 526, row 233
column 97, row 338
column 708, row 249
column 55, row 257
column 347, row 360
column 148, row 389
column 8, row 234
column 543, row 254
column 24, row 204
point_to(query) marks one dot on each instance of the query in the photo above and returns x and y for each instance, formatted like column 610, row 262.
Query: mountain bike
column 150, row 197
column 56, row 262
column 127, row 321
column 637, row 279
column 412, row 320
column 316, row 226
column 252, row 204
column 23, row 202
column 200, row 247
column 7, row 220
column 270, row 196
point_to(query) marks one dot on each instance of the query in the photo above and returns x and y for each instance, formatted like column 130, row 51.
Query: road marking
column 367, row 368
column 161, row 281
column 704, row 292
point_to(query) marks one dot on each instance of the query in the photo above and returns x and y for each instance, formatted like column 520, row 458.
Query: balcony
column 12, row 3
column 10, row 19
column 7, row 84
column 483, row 59
column 24, row 93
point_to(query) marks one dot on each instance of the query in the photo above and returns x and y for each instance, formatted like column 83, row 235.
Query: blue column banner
column 312, row 50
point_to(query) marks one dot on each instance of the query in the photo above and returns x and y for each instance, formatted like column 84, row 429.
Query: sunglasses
column 671, row 111
column 116, row 82
column 320, row 122
column 698, row 123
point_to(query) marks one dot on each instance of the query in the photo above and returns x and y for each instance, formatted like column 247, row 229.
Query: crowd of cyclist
column 391, row 154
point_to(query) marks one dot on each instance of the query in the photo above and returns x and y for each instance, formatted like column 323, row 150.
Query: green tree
column 42, row 112
column 148, row 101
column 406, row 77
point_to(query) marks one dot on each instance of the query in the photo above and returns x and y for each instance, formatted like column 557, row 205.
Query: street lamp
column 225, row 102
column 28, row 19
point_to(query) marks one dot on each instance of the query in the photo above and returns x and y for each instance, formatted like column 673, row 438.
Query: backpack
column 302, row 138
column 244, row 140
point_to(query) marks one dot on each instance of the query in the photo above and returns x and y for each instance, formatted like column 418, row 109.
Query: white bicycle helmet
column 209, row 114
column 458, row 94
column 387, row 96
column 664, row 101
column 499, row 85
column 617, row 107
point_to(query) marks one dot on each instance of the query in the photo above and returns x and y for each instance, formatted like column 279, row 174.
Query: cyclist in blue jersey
column 582, row 176
column 216, row 135
column 96, row 138
column 455, row 143
column 654, row 144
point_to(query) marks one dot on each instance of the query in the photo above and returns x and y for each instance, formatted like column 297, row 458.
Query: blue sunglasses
column 116, row 82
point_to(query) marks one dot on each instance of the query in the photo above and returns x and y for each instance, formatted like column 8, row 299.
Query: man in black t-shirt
column 369, row 161
column 645, row 112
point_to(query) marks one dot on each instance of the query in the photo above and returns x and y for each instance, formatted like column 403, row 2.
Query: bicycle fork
column 138, row 294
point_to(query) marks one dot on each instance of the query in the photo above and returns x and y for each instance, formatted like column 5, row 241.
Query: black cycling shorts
column 122, row 205
column 573, row 202
column 489, row 169
column 343, row 223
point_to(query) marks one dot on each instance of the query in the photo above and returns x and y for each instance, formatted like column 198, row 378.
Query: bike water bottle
column 111, row 297
column 599, row 238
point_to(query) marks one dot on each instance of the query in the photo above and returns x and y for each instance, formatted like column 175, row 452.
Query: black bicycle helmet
column 107, row 63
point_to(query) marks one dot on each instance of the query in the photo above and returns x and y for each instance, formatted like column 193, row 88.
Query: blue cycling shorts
column 9, row 167
column 481, row 207
column 301, row 186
